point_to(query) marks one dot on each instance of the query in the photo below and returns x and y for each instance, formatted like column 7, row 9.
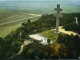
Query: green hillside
column 64, row 46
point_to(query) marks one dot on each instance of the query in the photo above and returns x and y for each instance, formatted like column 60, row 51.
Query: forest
column 69, row 44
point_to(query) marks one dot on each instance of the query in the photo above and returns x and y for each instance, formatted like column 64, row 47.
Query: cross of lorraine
column 58, row 15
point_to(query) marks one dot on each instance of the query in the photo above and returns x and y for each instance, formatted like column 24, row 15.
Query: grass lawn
column 50, row 34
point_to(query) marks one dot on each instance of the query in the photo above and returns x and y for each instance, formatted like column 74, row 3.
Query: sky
column 17, row 4
column 42, row 0
column 65, row 1
column 72, row 1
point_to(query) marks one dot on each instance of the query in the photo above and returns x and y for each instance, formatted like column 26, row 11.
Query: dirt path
column 26, row 42
column 22, row 46
column 66, row 32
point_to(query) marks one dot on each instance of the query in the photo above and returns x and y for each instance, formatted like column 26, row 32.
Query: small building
column 43, row 40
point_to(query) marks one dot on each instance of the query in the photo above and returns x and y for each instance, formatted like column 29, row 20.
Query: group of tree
column 70, row 46
column 10, row 44
column 72, row 27
column 70, row 22
column 36, row 50
column 69, row 18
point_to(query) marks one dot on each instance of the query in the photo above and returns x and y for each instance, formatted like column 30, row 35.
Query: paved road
column 20, row 20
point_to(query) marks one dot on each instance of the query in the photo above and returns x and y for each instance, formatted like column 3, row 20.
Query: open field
column 6, row 30
column 13, row 17
column 9, row 17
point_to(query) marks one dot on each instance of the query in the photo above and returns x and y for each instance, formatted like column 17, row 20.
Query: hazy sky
column 72, row 1
column 42, row 0
column 48, row 4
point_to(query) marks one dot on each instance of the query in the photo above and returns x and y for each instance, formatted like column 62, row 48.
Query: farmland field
column 9, row 17
column 7, row 29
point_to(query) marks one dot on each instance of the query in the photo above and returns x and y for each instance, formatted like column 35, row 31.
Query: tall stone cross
column 58, row 15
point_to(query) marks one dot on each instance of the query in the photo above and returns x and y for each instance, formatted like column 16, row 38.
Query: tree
column 48, row 40
column 29, row 21
column 62, row 51
column 1, row 41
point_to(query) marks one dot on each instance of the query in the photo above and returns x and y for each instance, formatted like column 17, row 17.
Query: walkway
column 26, row 42
column 66, row 32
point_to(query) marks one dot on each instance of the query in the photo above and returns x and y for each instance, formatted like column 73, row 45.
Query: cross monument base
column 57, row 32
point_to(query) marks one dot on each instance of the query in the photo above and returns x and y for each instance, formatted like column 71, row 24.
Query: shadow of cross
column 58, row 15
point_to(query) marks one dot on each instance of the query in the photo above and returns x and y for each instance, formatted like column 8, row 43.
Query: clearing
column 50, row 34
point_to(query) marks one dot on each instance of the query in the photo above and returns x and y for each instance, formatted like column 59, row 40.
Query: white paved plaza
column 39, row 37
